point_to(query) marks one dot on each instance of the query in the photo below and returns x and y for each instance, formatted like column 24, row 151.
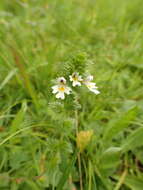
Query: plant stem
column 123, row 176
column 78, row 154
column 121, row 180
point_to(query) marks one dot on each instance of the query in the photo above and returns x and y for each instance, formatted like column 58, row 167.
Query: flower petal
column 67, row 90
column 76, row 83
column 95, row 91
column 89, row 78
column 60, row 95
column 80, row 78
column 71, row 79
column 92, row 87
column 61, row 80
column 55, row 89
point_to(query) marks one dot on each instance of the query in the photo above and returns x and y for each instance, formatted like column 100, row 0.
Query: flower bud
column 83, row 139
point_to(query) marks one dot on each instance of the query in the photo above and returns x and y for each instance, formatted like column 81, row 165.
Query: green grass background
column 37, row 132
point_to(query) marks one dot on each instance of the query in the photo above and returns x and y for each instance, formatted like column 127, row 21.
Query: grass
column 38, row 133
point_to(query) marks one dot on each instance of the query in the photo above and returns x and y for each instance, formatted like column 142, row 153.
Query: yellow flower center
column 75, row 78
column 62, row 88
column 89, row 85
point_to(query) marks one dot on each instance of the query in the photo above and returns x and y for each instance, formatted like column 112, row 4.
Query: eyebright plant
column 74, row 75
column 61, row 88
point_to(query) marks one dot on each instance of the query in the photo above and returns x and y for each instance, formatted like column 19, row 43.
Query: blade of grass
column 120, row 124
column 67, row 172
column 27, row 83
column 8, row 77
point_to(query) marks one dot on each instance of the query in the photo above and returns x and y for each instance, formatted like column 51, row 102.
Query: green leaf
column 110, row 157
column 17, row 157
column 32, row 185
column 18, row 120
column 67, row 171
column 120, row 124
column 4, row 179
column 8, row 78
column 134, row 183
column 134, row 140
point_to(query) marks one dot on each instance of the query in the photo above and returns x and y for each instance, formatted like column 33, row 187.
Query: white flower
column 61, row 80
column 61, row 89
column 76, row 79
column 91, row 85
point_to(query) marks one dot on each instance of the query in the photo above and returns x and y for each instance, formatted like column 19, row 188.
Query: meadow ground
column 87, row 141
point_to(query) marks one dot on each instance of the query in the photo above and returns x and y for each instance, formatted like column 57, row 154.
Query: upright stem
column 123, row 176
column 78, row 154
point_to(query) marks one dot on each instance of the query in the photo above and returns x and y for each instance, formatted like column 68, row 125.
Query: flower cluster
column 61, row 88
